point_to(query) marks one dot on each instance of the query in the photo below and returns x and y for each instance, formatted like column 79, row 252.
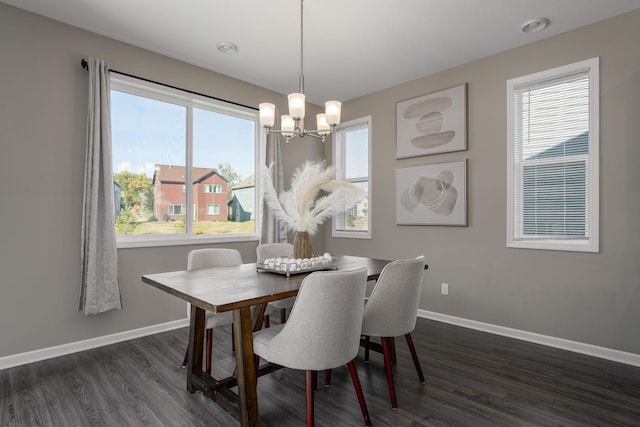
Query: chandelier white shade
column 291, row 125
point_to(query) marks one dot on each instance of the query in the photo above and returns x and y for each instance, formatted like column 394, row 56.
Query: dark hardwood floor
column 473, row 379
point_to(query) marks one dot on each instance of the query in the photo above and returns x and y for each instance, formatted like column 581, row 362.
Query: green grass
column 199, row 227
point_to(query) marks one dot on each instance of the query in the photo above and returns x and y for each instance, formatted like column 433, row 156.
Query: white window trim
column 337, row 161
column 590, row 244
column 168, row 94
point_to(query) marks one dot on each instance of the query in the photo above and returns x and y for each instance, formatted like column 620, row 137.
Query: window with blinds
column 351, row 148
column 553, row 159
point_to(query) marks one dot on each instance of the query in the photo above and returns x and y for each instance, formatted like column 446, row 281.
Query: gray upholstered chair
column 392, row 309
column 208, row 258
column 323, row 330
column 270, row 250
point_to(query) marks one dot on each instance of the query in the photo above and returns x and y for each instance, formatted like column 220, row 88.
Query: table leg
column 258, row 316
column 196, row 341
column 246, row 369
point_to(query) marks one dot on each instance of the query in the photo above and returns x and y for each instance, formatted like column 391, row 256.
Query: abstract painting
column 432, row 194
column 430, row 124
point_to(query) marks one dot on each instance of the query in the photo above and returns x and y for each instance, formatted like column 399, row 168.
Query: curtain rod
column 85, row 65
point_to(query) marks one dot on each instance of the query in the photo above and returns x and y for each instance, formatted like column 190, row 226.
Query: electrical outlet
column 444, row 289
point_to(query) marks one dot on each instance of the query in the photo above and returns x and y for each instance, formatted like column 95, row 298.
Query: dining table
column 244, row 290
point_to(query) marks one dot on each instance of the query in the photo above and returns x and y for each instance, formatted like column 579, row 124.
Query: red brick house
column 209, row 195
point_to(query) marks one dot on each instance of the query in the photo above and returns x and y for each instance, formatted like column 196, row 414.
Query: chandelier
column 292, row 124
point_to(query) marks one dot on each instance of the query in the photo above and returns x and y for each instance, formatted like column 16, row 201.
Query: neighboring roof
column 170, row 173
column 577, row 145
column 248, row 182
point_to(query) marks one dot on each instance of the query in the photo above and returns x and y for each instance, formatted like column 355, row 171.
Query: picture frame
column 433, row 194
column 433, row 123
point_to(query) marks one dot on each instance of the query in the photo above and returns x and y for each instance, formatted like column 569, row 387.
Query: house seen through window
column 176, row 160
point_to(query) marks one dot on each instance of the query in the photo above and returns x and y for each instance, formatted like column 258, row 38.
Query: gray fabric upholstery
column 208, row 258
column 323, row 330
column 392, row 307
column 269, row 250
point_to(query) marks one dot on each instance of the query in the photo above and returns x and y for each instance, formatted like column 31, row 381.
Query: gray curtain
column 100, row 291
column 273, row 230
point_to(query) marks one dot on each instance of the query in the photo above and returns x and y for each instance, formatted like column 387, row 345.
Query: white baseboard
column 577, row 347
column 61, row 350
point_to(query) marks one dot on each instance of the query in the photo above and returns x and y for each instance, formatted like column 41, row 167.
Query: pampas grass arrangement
column 314, row 196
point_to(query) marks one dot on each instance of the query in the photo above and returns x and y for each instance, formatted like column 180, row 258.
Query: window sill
column 125, row 242
column 556, row 245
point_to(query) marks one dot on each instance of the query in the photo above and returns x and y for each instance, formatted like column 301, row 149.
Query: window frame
column 165, row 93
column 338, row 162
column 592, row 182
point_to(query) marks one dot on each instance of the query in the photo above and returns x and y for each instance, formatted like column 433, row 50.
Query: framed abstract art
column 434, row 123
column 434, row 194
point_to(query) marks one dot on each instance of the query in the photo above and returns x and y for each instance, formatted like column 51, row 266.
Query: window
column 175, row 210
column 172, row 152
column 553, row 144
column 211, row 188
column 352, row 147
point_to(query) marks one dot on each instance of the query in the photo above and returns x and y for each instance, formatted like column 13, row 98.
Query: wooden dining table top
column 223, row 289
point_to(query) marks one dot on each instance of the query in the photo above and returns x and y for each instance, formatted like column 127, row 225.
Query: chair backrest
column 269, row 250
column 213, row 257
column 209, row 258
column 323, row 330
column 392, row 307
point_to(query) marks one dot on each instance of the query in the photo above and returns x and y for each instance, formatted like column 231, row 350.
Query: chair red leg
column 208, row 354
column 266, row 321
column 416, row 362
column 358, row 387
column 367, row 340
column 309, row 387
column 327, row 378
column 387, row 366
column 283, row 315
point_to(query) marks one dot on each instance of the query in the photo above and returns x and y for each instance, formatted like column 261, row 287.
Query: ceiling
column 351, row 47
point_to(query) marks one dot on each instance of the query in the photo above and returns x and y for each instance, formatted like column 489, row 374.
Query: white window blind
column 553, row 159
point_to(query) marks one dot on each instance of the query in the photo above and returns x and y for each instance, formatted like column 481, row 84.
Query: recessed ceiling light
column 227, row 47
column 534, row 25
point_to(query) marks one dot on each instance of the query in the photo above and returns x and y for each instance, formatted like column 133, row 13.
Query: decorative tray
column 290, row 266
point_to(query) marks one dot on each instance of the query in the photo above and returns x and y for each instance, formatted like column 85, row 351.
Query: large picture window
column 352, row 148
column 176, row 157
column 553, row 141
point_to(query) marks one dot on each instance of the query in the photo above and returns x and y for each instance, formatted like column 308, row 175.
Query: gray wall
column 589, row 298
column 43, row 102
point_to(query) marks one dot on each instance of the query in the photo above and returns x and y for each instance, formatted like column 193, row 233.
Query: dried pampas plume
column 315, row 195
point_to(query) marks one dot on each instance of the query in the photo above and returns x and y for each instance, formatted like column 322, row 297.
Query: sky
column 146, row 132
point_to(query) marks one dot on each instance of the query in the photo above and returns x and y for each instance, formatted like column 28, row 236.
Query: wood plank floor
column 473, row 379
